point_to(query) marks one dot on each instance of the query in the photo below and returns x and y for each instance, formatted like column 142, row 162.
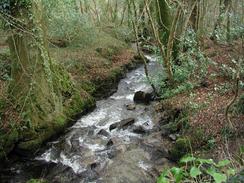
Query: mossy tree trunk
column 167, row 32
column 224, row 8
column 39, row 87
column 142, row 17
column 194, row 16
column 228, row 27
column 165, row 19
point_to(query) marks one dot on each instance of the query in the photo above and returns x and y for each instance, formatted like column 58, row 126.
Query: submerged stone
column 103, row 133
column 139, row 130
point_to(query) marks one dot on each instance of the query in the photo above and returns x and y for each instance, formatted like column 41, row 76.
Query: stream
column 95, row 150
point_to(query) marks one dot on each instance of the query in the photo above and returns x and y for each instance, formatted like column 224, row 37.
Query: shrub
column 190, row 65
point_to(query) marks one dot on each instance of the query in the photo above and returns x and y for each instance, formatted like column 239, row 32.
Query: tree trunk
column 229, row 11
column 163, row 47
column 164, row 20
column 39, row 86
column 142, row 16
column 194, row 17
column 223, row 9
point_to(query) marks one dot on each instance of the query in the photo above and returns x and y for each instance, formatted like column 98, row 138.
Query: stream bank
column 17, row 137
column 120, row 141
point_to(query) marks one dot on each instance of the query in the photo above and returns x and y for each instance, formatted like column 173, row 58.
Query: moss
column 116, row 73
column 7, row 141
column 32, row 145
column 77, row 104
column 80, row 102
column 36, row 181
column 180, row 148
column 10, row 137
column 61, row 120
column 88, row 86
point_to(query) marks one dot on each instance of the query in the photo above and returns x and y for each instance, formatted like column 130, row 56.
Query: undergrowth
column 192, row 169
column 189, row 68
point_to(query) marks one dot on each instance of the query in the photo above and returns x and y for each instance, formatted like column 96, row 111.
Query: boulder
column 104, row 133
column 113, row 126
column 158, row 153
column 126, row 123
column 130, row 107
column 123, row 124
column 94, row 165
column 112, row 153
column 173, row 137
column 110, row 143
column 139, row 130
column 142, row 97
column 113, row 141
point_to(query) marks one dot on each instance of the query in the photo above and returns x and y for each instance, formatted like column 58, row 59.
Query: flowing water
column 89, row 152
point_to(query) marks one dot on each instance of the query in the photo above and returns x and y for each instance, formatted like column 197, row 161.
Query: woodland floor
column 212, row 100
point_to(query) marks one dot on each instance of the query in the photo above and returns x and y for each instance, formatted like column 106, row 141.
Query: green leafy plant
column 190, row 63
column 194, row 169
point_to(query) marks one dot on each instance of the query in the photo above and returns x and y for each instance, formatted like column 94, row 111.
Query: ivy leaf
column 223, row 163
column 162, row 178
column 231, row 171
column 187, row 159
column 178, row 174
column 194, row 172
column 218, row 177
column 207, row 161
